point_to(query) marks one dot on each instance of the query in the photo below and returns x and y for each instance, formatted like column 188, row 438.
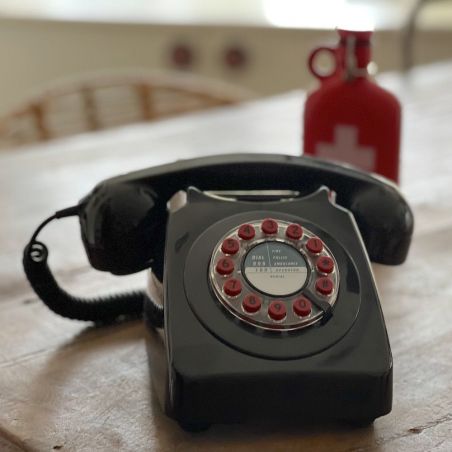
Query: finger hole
column 323, row 63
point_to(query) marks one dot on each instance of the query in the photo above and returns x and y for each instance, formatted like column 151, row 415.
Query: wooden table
column 65, row 385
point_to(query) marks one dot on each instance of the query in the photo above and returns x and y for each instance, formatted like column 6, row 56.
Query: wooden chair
column 101, row 101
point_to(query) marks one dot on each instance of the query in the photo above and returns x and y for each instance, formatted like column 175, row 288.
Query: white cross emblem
column 346, row 149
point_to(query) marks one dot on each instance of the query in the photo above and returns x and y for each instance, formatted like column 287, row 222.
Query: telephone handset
column 270, row 307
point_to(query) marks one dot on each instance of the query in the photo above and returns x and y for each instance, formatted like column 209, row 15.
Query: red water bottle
column 349, row 118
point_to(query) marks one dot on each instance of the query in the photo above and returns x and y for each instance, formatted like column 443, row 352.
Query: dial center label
column 275, row 268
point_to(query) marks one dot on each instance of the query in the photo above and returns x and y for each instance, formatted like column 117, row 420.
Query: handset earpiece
column 123, row 228
column 385, row 221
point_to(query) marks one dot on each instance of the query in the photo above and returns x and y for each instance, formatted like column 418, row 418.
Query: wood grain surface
column 67, row 386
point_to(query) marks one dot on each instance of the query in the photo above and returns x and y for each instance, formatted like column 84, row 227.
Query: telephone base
column 217, row 363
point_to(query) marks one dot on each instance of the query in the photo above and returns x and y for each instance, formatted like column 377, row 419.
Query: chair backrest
column 103, row 101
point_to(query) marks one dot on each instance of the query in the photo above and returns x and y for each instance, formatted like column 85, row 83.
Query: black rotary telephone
column 270, row 308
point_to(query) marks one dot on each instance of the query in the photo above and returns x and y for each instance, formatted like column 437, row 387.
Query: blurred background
column 259, row 46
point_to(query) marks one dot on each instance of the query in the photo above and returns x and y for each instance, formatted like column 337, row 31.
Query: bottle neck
column 355, row 55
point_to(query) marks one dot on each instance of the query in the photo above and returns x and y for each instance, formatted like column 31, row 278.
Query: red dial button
column 246, row 232
column 277, row 310
column 225, row 266
column 232, row 287
column 325, row 264
column 230, row 246
column 302, row 306
column 324, row 285
column 314, row 245
column 269, row 226
column 251, row 303
column 294, row 231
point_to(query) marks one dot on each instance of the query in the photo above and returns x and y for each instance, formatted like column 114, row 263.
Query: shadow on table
column 283, row 435
column 94, row 391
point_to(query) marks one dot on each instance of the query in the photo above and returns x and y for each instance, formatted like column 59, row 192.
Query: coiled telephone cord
column 103, row 309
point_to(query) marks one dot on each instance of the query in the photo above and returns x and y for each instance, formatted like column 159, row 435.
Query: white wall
column 36, row 52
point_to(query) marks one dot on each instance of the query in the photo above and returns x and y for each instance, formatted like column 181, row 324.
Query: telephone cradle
column 270, row 309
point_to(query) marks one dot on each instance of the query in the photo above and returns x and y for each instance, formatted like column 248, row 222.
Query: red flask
column 349, row 118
